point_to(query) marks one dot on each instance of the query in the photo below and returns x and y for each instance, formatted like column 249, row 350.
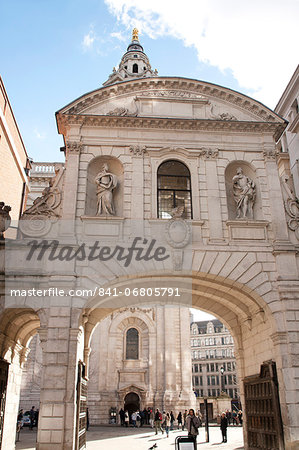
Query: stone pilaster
column 70, row 187
column 59, row 341
column 213, row 194
column 137, row 184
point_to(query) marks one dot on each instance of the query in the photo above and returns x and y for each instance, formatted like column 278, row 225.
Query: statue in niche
column 244, row 190
column 106, row 182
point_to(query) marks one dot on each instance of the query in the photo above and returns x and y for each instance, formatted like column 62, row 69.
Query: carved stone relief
column 209, row 153
column 222, row 116
column 291, row 205
column 74, row 147
column 138, row 150
column 36, row 221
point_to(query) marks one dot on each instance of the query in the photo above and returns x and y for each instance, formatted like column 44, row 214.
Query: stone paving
column 117, row 438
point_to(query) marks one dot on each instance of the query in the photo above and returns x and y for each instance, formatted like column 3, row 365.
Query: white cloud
column 39, row 135
column 256, row 40
column 89, row 40
column 118, row 35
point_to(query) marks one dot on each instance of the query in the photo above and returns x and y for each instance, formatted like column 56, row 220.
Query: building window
column 135, row 68
column 174, row 189
column 132, row 344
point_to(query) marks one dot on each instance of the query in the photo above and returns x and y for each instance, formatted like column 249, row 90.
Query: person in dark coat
column 192, row 425
column 122, row 417
column 223, row 427
column 240, row 417
column 180, row 420
column 32, row 417
column 87, row 419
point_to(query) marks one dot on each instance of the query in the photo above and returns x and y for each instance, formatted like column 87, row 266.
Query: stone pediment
column 171, row 97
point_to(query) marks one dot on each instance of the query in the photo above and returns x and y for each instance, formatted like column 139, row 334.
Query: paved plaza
column 117, row 438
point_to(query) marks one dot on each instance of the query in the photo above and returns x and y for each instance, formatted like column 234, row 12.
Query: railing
column 47, row 168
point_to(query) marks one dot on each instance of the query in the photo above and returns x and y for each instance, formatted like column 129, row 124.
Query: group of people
column 33, row 416
column 189, row 420
column 137, row 418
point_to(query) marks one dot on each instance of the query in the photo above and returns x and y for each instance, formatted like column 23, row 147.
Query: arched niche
column 95, row 166
column 249, row 171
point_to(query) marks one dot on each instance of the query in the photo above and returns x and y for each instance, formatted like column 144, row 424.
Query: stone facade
column 212, row 349
column 163, row 357
column 243, row 271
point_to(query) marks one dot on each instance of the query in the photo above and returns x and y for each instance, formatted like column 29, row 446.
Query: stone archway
column 131, row 402
column 250, row 317
column 17, row 327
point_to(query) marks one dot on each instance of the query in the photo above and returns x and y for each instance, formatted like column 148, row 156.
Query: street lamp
column 222, row 380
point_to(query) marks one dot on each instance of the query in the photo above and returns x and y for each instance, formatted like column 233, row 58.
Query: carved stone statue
column 106, row 182
column 244, row 190
column 5, row 218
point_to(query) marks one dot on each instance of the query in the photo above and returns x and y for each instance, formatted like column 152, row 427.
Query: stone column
column 59, row 341
column 213, row 193
column 159, row 385
column 12, row 400
column 187, row 395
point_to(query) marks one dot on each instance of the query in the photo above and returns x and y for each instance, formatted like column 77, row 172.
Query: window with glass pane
column 132, row 344
column 174, row 189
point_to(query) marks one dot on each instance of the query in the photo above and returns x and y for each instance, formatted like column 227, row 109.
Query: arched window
column 132, row 344
column 135, row 68
column 174, row 189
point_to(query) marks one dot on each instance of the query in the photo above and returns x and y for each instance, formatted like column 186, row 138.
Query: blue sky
column 54, row 51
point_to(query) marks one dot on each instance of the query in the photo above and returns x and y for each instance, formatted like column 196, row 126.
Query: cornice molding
column 67, row 120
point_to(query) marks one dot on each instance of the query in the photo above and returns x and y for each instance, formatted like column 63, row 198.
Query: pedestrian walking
column 172, row 419
column 240, row 417
column 151, row 418
column 127, row 418
column 228, row 416
column 184, row 419
column 163, row 421
column 20, row 420
column 134, row 418
column 122, row 417
column 223, row 427
column 192, row 425
column 87, row 419
column 32, row 417
column 179, row 419
column 167, row 423
column 158, row 421
column 234, row 418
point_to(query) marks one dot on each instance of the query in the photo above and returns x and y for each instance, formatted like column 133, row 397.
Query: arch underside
column 243, row 311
